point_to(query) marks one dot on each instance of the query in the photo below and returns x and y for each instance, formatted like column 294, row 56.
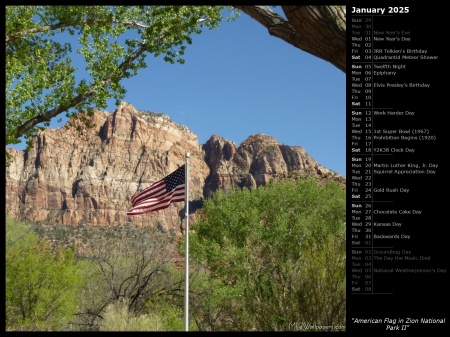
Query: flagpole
column 186, row 302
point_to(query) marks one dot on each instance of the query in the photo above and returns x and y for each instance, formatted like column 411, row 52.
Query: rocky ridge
column 72, row 178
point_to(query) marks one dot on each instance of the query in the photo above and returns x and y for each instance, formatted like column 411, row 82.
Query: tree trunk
column 318, row 30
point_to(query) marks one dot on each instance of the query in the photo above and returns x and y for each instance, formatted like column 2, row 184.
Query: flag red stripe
column 150, row 194
column 154, row 204
column 148, row 190
column 159, row 196
column 152, row 208
column 146, row 208
column 179, row 190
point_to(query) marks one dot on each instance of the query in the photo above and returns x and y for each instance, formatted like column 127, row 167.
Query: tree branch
column 275, row 24
column 317, row 30
column 47, row 116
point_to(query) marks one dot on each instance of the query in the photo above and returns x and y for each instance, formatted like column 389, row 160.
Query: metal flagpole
column 186, row 302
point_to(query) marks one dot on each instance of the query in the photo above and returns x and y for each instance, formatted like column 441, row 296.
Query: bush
column 162, row 317
column 281, row 251
column 41, row 285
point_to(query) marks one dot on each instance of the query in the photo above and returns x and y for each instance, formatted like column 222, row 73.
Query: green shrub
column 280, row 249
column 41, row 285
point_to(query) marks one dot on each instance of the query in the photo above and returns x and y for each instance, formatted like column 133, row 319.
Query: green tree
column 214, row 305
column 41, row 285
column 114, row 41
column 280, row 251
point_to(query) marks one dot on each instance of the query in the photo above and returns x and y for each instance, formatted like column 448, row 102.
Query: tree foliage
column 41, row 285
column 113, row 42
column 277, row 254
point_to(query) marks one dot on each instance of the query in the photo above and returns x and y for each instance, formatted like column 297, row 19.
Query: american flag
column 160, row 194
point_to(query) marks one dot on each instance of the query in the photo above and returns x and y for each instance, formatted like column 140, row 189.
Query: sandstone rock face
column 258, row 160
column 69, row 178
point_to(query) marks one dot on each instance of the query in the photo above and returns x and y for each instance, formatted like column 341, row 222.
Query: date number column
column 361, row 124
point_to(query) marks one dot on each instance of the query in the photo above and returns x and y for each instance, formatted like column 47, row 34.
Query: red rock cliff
column 70, row 178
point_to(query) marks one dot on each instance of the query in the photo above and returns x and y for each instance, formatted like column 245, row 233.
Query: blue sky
column 238, row 81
